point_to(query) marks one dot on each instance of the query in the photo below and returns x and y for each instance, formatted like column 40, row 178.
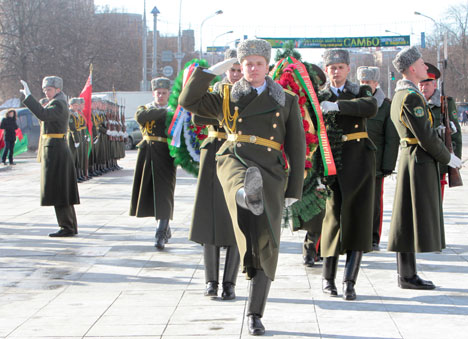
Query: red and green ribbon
column 303, row 76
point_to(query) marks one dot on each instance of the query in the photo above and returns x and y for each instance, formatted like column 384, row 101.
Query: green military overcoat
column 58, row 178
column 272, row 115
column 435, row 106
column 348, row 218
column 415, row 225
column 211, row 221
column 155, row 173
column 383, row 134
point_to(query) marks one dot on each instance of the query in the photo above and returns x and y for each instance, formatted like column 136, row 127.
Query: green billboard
column 350, row 42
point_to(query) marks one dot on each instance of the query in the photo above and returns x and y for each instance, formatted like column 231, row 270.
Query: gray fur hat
column 336, row 56
column 160, row 83
column 74, row 101
column 254, row 47
column 52, row 81
column 405, row 58
column 368, row 73
column 230, row 53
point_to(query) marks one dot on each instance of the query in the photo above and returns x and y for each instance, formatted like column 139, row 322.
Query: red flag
column 86, row 95
column 2, row 142
column 19, row 134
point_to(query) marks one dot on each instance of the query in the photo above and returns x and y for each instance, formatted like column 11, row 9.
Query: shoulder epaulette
column 290, row 92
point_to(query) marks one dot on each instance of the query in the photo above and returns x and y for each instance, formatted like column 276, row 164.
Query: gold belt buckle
column 253, row 139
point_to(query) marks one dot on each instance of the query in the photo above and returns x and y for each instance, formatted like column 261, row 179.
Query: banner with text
column 354, row 42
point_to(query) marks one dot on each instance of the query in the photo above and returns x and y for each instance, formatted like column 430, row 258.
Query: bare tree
column 63, row 37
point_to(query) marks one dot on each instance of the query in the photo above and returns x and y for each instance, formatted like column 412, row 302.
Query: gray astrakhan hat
column 254, row 47
column 336, row 56
column 368, row 73
column 230, row 53
column 405, row 58
column 52, row 81
column 74, row 101
column 160, row 83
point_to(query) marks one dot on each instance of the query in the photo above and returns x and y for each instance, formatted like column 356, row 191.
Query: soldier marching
column 252, row 121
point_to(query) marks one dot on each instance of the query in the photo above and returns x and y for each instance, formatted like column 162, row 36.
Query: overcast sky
column 303, row 18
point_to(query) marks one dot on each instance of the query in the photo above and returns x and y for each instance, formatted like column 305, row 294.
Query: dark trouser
column 66, row 218
column 258, row 294
column 8, row 150
column 378, row 210
column 231, row 265
column 311, row 243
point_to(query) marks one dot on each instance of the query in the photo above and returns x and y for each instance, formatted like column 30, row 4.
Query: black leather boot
column 258, row 295
column 353, row 262
column 211, row 259
column 250, row 197
column 308, row 251
column 407, row 276
column 330, row 265
column 161, row 234
column 231, row 269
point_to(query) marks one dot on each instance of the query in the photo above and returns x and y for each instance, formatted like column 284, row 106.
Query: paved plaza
column 111, row 282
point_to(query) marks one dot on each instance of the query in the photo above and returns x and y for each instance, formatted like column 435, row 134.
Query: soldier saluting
column 58, row 179
column 155, row 173
column 415, row 225
column 261, row 119
column 214, row 229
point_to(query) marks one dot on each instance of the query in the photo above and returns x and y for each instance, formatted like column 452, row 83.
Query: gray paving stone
column 110, row 281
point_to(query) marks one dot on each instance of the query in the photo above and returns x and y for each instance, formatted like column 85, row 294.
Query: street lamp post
column 201, row 28
column 143, row 86
column 154, row 71
column 387, row 31
column 213, row 44
column 438, row 45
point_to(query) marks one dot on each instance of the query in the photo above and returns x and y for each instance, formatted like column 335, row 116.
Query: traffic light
column 392, row 76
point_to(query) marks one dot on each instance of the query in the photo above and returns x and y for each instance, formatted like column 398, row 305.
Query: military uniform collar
column 434, row 100
column 336, row 89
column 242, row 88
column 405, row 84
column 261, row 88
column 155, row 105
column 347, row 87
column 379, row 95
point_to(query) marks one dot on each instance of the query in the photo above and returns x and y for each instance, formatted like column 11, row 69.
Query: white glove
column 222, row 66
column 77, row 144
column 320, row 186
column 455, row 161
column 26, row 92
column 440, row 130
column 96, row 139
column 88, row 138
column 328, row 106
column 108, row 132
column 289, row 201
column 453, row 127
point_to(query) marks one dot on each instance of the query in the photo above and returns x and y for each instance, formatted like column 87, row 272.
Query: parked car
column 29, row 125
column 134, row 134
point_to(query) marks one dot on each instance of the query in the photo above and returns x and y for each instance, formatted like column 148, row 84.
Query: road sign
column 178, row 55
column 216, row 48
column 166, row 56
column 167, row 71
